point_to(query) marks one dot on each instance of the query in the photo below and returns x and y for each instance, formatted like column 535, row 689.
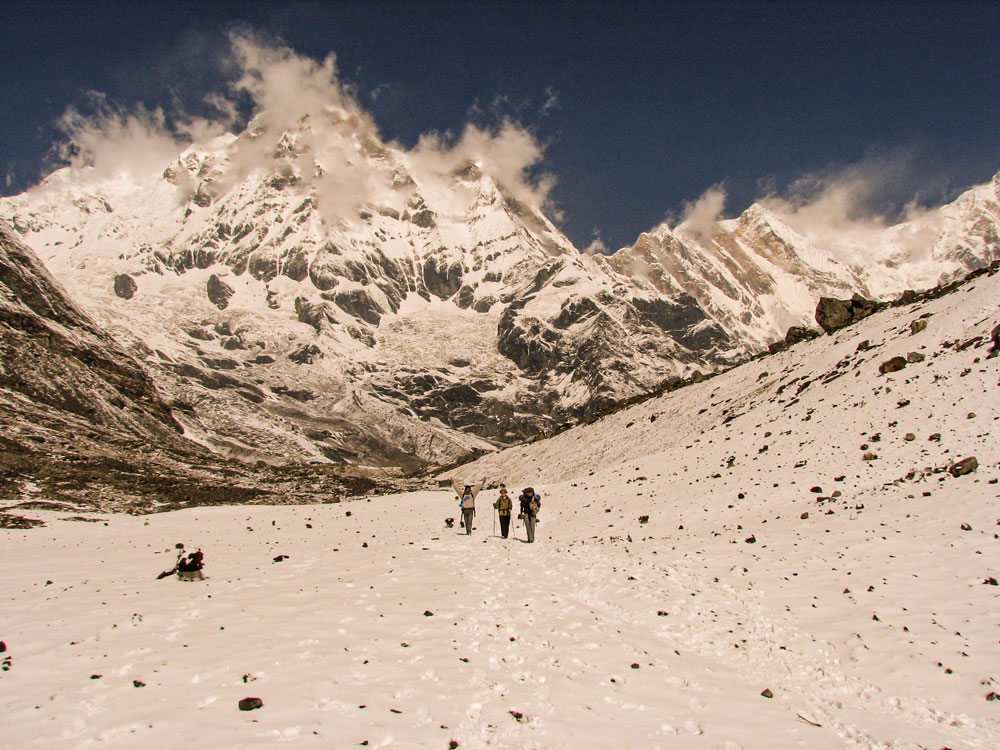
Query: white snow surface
column 868, row 620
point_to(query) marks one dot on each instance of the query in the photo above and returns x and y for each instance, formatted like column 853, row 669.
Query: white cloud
column 844, row 209
column 551, row 102
column 597, row 245
column 287, row 87
column 110, row 141
column 702, row 216
column 506, row 153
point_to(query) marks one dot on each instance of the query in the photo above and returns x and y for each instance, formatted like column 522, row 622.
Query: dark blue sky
column 655, row 102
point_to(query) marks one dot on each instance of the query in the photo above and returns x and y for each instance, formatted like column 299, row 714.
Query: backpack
column 535, row 504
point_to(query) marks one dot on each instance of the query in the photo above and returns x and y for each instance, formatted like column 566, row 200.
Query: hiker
column 503, row 505
column 467, row 501
column 530, row 503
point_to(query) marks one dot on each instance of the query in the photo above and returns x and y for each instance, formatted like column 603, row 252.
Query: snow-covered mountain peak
column 306, row 256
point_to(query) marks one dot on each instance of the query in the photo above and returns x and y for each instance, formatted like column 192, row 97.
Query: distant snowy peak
column 338, row 299
column 756, row 275
column 753, row 276
column 312, row 293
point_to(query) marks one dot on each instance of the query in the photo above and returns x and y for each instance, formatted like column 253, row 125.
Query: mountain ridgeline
column 350, row 305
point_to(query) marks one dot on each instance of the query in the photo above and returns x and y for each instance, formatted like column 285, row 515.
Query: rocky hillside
column 85, row 427
column 54, row 356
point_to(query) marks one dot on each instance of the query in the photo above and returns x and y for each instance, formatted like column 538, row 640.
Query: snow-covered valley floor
column 775, row 558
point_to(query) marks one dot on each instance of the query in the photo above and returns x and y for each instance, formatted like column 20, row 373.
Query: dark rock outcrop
column 219, row 292
column 306, row 354
column 201, row 334
column 442, row 280
column 424, row 219
column 359, row 304
column 528, row 342
column 316, row 314
column 125, row 286
column 296, row 265
column 74, row 365
column 466, row 296
column 833, row 314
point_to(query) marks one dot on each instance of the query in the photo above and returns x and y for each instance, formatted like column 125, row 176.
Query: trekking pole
column 495, row 524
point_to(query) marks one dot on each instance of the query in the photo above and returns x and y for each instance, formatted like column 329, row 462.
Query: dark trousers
column 467, row 514
column 504, row 525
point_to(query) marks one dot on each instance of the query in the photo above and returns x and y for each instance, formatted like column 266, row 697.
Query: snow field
column 549, row 633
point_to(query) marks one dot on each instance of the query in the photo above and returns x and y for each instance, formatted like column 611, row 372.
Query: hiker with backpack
column 467, row 502
column 530, row 503
column 503, row 507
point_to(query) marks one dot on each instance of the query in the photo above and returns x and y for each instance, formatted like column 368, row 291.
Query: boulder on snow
column 965, row 466
column 249, row 704
column 916, row 326
column 914, row 357
column 832, row 314
column 125, row 286
column 795, row 334
column 892, row 365
column 862, row 308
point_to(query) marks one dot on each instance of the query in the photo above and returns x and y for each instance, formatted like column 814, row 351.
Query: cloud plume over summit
column 283, row 91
